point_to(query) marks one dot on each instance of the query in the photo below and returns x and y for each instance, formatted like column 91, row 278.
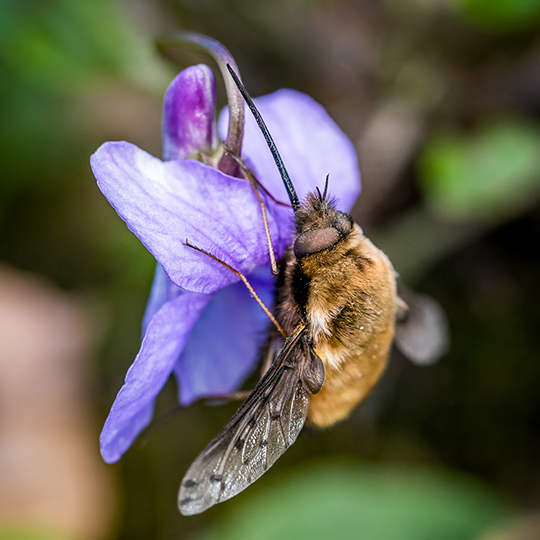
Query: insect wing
column 422, row 335
column 262, row 429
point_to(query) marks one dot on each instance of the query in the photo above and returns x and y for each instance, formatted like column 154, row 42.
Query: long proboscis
column 269, row 141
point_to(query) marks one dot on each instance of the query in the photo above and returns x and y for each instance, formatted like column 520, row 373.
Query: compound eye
column 316, row 240
column 343, row 223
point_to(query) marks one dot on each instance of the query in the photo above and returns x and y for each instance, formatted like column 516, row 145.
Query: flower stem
column 201, row 43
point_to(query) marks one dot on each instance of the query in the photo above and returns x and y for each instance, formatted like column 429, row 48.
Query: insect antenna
column 325, row 192
column 269, row 141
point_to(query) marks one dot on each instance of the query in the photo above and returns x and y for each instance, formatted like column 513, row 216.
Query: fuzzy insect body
column 337, row 303
column 347, row 296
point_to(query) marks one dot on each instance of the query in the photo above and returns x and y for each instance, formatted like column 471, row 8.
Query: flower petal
column 224, row 345
column 189, row 114
column 167, row 203
column 311, row 144
column 163, row 290
column 161, row 347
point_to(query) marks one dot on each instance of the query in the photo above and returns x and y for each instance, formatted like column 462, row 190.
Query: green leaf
column 63, row 44
column 350, row 501
column 501, row 15
column 488, row 176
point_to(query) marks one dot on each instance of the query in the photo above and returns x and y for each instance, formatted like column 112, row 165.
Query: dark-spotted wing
column 266, row 424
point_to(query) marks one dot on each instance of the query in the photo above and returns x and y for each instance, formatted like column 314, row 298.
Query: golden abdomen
column 349, row 379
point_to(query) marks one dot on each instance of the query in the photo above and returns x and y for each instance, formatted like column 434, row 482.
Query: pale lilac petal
column 189, row 114
column 189, row 127
column 167, row 203
column 163, row 290
column 161, row 347
column 311, row 144
column 224, row 345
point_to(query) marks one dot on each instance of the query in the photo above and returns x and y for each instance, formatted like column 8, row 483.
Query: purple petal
column 161, row 347
column 167, row 203
column 163, row 291
column 224, row 345
column 189, row 114
column 311, row 144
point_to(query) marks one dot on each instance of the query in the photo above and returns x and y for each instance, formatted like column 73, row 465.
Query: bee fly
column 337, row 305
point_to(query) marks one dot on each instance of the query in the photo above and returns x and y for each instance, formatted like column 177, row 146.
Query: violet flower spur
column 201, row 324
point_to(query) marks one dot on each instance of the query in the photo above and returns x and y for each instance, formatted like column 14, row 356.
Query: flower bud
column 189, row 114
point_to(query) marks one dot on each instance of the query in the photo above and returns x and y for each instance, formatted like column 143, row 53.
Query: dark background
column 442, row 100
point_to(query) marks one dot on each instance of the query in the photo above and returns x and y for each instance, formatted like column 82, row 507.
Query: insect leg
column 250, row 177
column 173, row 411
column 246, row 283
column 247, row 170
column 231, row 396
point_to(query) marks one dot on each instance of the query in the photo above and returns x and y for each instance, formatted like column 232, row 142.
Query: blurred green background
column 442, row 100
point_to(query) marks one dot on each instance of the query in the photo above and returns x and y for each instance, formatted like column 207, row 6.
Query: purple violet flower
column 201, row 324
